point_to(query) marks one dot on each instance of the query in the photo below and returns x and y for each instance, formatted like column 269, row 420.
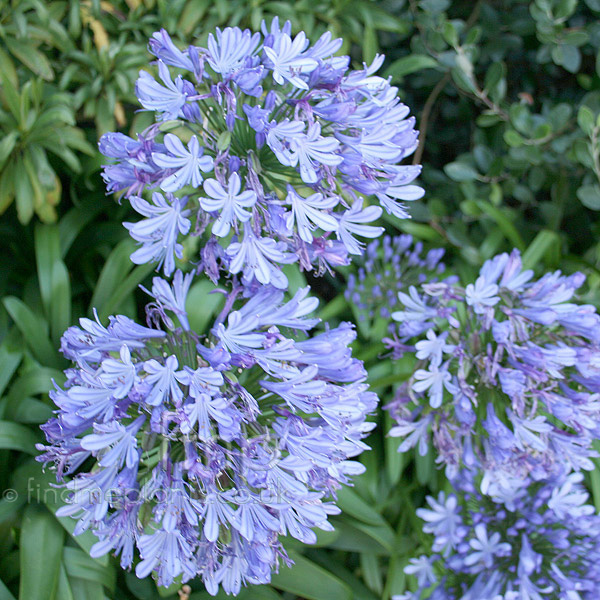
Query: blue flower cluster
column 544, row 543
column 508, row 375
column 202, row 450
column 267, row 145
column 389, row 265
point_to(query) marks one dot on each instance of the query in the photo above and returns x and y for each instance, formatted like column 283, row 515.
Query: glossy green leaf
column 543, row 242
column 115, row 271
column 79, row 564
column 5, row 592
column 352, row 504
column 41, row 549
column 17, row 437
column 589, row 196
column 34, row 330
column 410, row 64
column 84, row 589
column 459, row 171
column 202, row 304
column 505, row 224
column 310, row 581
column 63, row 590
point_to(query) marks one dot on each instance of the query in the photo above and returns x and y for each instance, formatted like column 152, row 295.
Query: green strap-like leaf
column 17, row 437
column 81, row 565
column 5, row 592
column 308, row 580
column 41, row 551
column 34, row 330
column 30, row 57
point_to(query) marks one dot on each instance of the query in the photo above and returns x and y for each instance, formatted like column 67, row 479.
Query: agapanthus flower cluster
column 389, row 265
column 202, row 450
column 544, row 543
column 269, row 147
column 508, row 374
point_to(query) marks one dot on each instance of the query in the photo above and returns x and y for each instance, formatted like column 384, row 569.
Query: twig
column 429, row 103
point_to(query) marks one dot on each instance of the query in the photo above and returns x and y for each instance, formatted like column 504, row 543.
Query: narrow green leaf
column 507, row 227
column 7, row 145
column 71, row 225
column 333, row 308
column 394, row 460
column 79, row 564
column 86, row 590
column 24, row 196
column 10, row 359
column 17, row 437
column 63, row 591
column 30, row 57
column 115, row 270
column 131, row 283
column 47, row 252
column 308, row 580
column 369, row 565
column 41, row 550
column 5, row 592
column 30, row 410
column 60, row 301
column 382, row 534
column 542, row 243
column 255, row 592
column 352, row 504
column 34, row 330
column 202, row 305
column 370, row 46
column 424, row 466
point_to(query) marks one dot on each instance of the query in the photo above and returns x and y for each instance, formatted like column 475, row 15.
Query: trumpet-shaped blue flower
column 510, row 550
column 207, row 448
column 230, row 203
column 262, row 109
column 189, row 163
column 166, row 218
column 513, row 347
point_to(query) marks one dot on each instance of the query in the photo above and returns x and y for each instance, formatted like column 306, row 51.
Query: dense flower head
column 508, row 374
column 202, row 450
column 274, row 149
column 543, row 543
column 389, row 265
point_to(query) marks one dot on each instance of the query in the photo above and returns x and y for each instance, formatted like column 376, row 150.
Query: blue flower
column 352, row 222
column 164, row 49
column 512, row 550
column 310, row 150
column 255, row 257
column 230, row 202
column 205, row 449
column 169, row 99
column 189, row 163
column 167, row 218
column 307, row 213
column 515, row 345
column 231, row 49
column 287, row 60
column 304, row 115
column 481, row 295
column 172, row 296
